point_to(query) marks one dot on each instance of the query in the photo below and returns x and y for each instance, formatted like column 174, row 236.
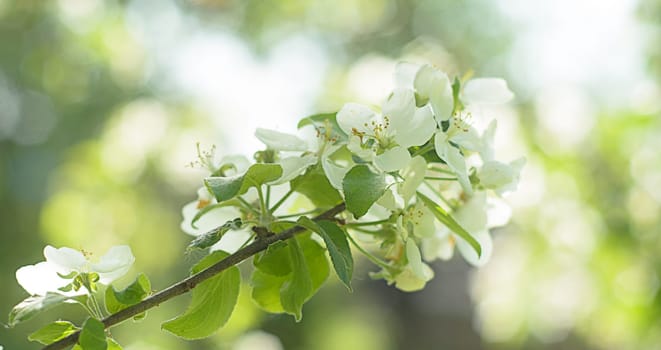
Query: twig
column 191, row 282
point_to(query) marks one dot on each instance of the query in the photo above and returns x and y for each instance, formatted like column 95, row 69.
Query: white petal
column 486, row 91
column 487, row 141
column 468, row 139
column 208, row 221
column 408, row 281
column 439, row 246
column 280, row 141
column 114, row 264
column 413, row 175
column 414, row 258
column 399, row 108
column 499, row 212
column 355, row 116
column 435, row 85
column 417, row 129
column 393, row 159
column 454, row 160
column 472, row 216
column 334, row 173
column 232, row 241
column 467, row 251
column 65, row 260
column 424, row 224
column 355, row 147
column 495, row 175
column 40, row 278
column 391, row 200
column 293, row 167
column 405, row 74
column 239, row 163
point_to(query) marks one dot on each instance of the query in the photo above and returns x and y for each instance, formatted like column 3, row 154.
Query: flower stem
column 423, row 150
column 367, row 254
column 367, row 223
column 440, row 178
column 281, row 201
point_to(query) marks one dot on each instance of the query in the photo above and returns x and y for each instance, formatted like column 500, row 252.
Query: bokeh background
column 102, row 102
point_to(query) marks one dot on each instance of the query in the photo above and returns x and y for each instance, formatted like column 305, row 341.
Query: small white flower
column 385, row 139
column 416, row 273
column 486, row 91
column 46, row 277
column 501, row 177
column 473, row 216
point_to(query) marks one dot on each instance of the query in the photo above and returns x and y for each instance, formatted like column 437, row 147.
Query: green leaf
column 33, row 305
column 446, row 219
column 133, row 294
column 315, row 186
column 322, row 121
column 53, row 332
column 212, row 302
column 266, row 290
column 225, row 188
column 362, row 188
column 296, row 291
column 337, row 244
column 93, row 335
column 212, row 237
column 270, row 291
column 274, row 261
column 113, row 345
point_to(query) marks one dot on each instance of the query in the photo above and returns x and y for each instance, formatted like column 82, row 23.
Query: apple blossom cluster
column 417, row 178
column 403, row 185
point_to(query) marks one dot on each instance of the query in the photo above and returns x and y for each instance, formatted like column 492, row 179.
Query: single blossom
column 62, row 264
column 384, row 139
column 416, row 273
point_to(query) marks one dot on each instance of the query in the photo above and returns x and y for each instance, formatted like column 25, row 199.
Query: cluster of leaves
column 414, row 180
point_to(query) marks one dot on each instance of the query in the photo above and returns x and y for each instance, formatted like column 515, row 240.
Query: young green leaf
column 225, row 188
column 362, row 187
column 267, row 289
column 133, row 294
column 274, row 261
column 212, row 303
column 315, row 186
column 113, row 345
column 53, row 332
column 296, row 291
column 337, row 244
column 31, row 306
column 212, row 237
column 323, row 121
column 446, row 219
column 93, row 335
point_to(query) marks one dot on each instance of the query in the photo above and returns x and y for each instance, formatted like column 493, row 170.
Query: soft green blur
column 102, row 103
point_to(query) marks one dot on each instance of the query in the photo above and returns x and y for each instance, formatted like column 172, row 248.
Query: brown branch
column 191, row 282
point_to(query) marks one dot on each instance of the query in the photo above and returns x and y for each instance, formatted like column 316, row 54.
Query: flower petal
column 417, row 129
column 293, row 167
column 486, row 91
column 65, row 260
column 405, row 74
column 355, row 116
column 439, row 246
column 280, row 141
column 467, row 251
column 399, row 108
column 212, row 219
column 393, row 159
column 40, row 279
column 454, row 160
column 408, row 281
column 413, row 175
column 334, row 173
column 434, row 84
column 487, row 141
column 114, row 264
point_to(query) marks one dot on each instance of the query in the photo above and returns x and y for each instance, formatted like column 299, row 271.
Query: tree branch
column 191, row 282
